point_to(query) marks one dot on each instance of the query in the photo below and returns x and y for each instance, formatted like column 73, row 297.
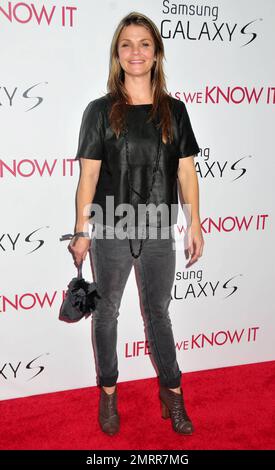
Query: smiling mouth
column 136, row 61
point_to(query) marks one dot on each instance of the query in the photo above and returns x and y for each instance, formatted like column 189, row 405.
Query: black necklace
column 155, row 169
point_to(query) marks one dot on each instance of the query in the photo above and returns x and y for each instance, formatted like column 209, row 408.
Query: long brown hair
column 117, row 90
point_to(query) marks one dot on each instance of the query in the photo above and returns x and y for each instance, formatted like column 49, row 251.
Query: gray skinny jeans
column 155, row 269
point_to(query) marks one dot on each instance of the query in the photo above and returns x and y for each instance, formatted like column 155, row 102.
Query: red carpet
column 231, row 408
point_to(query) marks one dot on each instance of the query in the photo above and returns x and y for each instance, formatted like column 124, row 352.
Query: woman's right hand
column 79, row 247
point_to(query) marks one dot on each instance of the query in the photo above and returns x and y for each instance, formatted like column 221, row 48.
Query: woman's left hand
column 195, row 243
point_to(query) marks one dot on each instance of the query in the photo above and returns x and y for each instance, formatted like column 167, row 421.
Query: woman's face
column 136, row 50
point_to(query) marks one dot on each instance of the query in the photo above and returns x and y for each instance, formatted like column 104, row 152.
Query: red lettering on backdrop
column 234, row 223
column 230, row 224
column 23, row 13
column 136, row 349
column 26, row 168
column 27, row 301
column 219, row 338
column 231, row 95
column 234, row 95
column 199, row 341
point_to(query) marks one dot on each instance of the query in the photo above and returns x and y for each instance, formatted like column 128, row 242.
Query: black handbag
column 80, row 298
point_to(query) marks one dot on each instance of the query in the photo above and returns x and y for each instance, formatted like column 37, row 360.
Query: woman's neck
column 138, row 90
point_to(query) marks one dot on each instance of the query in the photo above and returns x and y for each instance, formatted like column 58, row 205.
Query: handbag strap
column 69, row 236
column 79, row 271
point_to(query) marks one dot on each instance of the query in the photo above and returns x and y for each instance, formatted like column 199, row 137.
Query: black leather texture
column 98, row 141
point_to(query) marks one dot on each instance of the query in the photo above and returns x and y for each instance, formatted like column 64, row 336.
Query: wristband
column 70, row 236
column 82, row 234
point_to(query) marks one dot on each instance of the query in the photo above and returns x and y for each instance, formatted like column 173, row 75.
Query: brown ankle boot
column 108, row 414
column 173, row 407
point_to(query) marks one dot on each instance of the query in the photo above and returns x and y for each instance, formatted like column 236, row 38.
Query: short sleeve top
column 97, row 141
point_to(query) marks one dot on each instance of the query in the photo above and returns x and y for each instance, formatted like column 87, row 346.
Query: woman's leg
column 112, row 262
column 156, row 270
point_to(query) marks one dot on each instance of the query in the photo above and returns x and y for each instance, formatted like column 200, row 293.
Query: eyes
column 145, row 44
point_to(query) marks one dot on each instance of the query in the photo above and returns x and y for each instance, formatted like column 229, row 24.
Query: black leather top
column 98, row 141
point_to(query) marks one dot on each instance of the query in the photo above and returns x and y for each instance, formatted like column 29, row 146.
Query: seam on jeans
column 150, row 318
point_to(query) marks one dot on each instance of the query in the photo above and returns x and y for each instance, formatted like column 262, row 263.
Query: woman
column 134, row 142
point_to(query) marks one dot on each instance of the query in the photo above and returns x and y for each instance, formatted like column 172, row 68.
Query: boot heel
column 172, row 404
column 164, row 411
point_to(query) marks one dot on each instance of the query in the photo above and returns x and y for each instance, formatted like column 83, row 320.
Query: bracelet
column 82, row 234
column 70, row 236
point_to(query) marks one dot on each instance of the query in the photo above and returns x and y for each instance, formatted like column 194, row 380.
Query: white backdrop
column 54, row 60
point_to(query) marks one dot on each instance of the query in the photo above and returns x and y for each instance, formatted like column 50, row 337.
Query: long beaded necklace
column 155, row 169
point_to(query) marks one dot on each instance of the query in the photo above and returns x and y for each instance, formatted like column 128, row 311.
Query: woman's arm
column 189, row 185
column 188, row 179
column 88, row 179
